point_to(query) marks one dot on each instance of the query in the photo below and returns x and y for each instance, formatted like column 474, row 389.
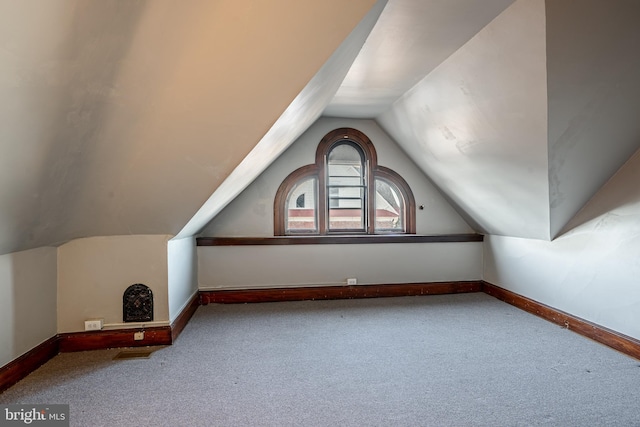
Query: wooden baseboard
column 615, row 340
column 336, row 292
column 99, row 340
column 19, row 368
column 183, row 318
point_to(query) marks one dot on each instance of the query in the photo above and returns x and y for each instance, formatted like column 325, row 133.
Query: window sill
column 338, row 240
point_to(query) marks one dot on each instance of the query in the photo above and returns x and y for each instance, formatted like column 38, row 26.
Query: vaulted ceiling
column 149, row 116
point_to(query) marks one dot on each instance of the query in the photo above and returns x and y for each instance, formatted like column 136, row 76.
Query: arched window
column 344, row 192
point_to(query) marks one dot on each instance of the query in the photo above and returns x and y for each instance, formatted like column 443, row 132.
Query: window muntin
column 353, row 194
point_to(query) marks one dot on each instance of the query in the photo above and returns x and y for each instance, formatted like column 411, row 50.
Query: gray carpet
column 454, row 360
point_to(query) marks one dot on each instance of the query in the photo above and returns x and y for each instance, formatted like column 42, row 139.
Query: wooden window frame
column 318, row 171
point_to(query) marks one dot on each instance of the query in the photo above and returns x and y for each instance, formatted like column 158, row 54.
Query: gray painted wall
column 247, row 267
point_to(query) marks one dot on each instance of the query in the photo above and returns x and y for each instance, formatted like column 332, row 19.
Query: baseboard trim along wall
column 19, row 368
column 615, row 340
column 185, row 315
column 99, row 340
column 242, row 296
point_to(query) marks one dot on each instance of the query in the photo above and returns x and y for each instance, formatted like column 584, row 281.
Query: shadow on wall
column 28, row 313
column 620, row 197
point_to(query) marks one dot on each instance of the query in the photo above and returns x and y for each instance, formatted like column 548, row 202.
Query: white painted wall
column 477, row 124
column 182, row 266
column 314, row 265
column 93, row 274
column 27, row 301
column 251, row 213
column 592, row 271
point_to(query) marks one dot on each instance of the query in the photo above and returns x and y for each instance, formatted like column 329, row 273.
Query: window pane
column 346, row 197
column 346, row 219
column 345, row 166
column 345, row 154
column 389, row 208
column 301, row 208
column 346, row 189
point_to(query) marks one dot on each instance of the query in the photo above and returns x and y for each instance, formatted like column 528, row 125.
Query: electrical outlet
column 138, row 336
column 352, row 281
column 93, row 324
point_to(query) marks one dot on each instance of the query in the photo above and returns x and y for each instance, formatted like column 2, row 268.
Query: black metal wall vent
column 137, row 304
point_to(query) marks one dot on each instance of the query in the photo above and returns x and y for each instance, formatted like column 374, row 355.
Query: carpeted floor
column 451, row 360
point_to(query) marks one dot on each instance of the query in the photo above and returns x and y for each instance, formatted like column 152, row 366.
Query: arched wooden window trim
column 280, row 202
column 317, row 170
column 409, row 201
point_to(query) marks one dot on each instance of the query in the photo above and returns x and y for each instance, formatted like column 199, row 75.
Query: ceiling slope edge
column 305, row 109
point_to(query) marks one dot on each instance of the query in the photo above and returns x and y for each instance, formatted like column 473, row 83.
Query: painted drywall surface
column 122, row 117
column 313, row 265
column 94, row 272
column 27, row 301
column 251, row 213
column 182, row 266
column 594, row 97
column 477, row 125
column 592, row 270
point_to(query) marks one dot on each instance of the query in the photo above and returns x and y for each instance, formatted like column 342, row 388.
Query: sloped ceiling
column 524, row 123
column 125, row 117
column 305, row 109
column 122, row 117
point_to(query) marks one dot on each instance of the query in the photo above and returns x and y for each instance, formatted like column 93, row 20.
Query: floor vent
column 133, row 354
